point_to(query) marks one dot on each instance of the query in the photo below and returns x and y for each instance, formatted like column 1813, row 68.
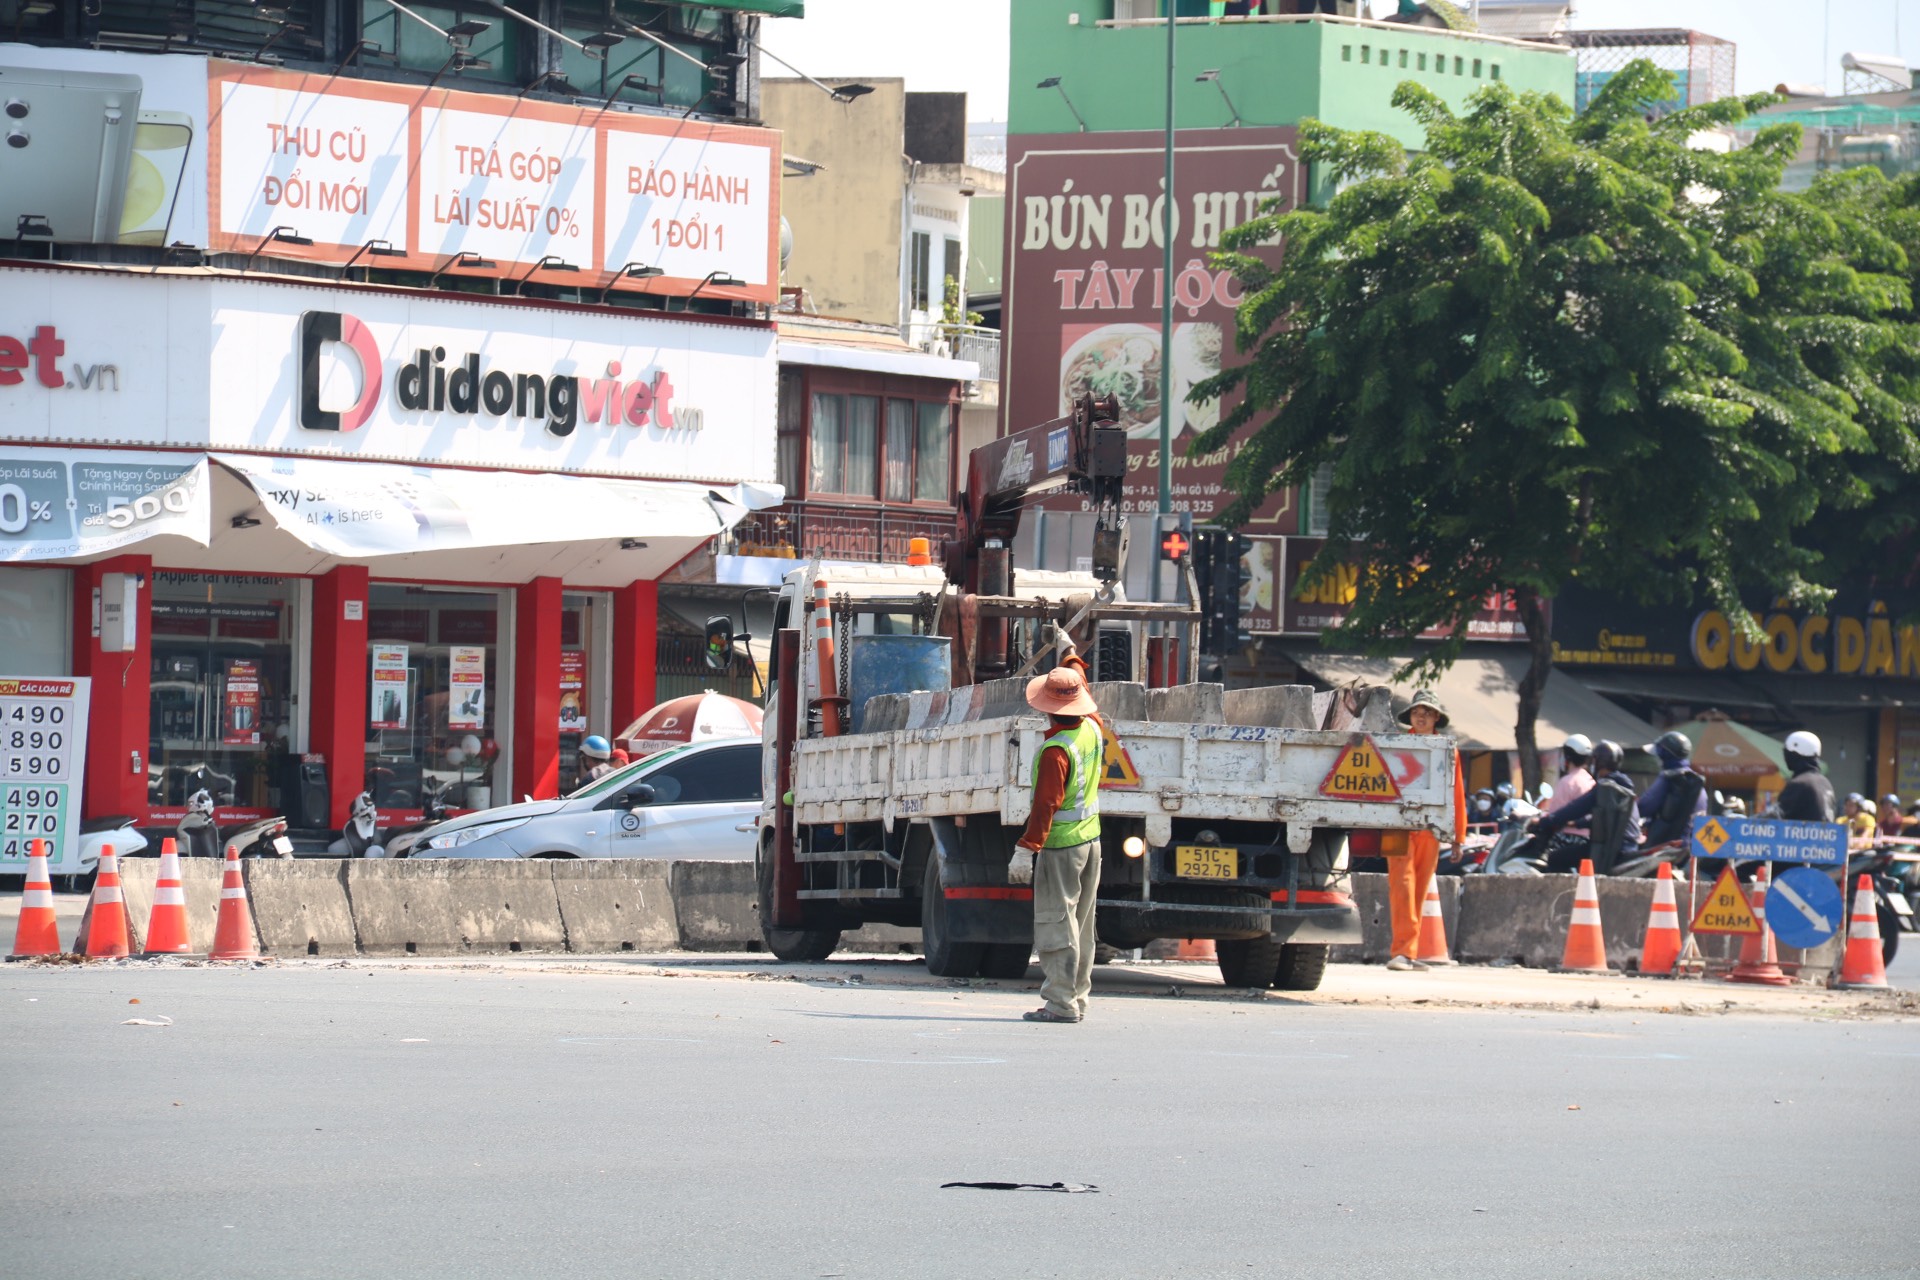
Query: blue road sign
column 1805, row 907
column 1820, row 844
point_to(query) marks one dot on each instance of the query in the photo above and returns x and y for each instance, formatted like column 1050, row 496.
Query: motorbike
column 360, row 838
column 1644, row 863
column 200, row 837
column 1894, row 865
column 99, row 833
column 402, row 841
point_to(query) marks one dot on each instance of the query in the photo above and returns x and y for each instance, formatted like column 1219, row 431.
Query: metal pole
column 1166, row 287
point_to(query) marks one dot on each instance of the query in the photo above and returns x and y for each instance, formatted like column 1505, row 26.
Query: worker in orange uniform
column 1062, row 839
column 1409, row 874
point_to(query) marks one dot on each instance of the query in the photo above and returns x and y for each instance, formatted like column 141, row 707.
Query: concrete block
column 1274, row 706
column 300, row 908
column 715, row 905
column 618, row 904
column 1322, row 708
column 1187, row 704
column 453, row 907
column 1120, row 699
column 1525, row 918
column 199, row 881
column 1376, row 919
column 1376, row 710
column 882, row 712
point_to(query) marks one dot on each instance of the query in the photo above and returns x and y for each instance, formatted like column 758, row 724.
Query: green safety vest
column 1078, row 819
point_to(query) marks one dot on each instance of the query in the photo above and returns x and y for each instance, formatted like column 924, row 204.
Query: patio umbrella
column 697, row 717
column 1724, row 748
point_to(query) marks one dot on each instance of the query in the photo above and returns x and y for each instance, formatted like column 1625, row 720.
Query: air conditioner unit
column 1132, row 10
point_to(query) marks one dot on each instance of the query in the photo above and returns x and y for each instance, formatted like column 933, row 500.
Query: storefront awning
column 1482, row 696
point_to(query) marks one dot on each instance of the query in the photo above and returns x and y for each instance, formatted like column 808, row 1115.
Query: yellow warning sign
column 1360, row 773
column 1116, row 766
column 1711, row 836
column 1726, row 909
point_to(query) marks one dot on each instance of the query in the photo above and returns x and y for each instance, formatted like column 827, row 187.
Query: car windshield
column 621, row 777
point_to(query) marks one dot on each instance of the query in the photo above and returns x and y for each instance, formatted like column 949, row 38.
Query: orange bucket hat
column 1061, row 692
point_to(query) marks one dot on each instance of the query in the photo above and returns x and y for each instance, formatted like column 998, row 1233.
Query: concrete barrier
column 716, row 905
column 301, row 908
column 616, row 905
column 1376, row 921
column 199, row 881
column 454, row 907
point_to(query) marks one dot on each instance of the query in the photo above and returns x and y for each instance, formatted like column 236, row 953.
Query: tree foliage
column 1549, row 349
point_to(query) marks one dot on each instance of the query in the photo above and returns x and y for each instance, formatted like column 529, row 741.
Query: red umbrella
column 697, row 717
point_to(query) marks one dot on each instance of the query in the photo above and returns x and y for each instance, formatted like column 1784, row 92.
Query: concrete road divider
column 1376, row 923
column 199, row 880
column 616, row 905
column 715, row 903
column 301, row 908
column 453, row 907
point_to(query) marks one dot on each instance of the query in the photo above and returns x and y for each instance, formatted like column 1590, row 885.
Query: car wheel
column 1248, row 962
column 946, row 958
column 795, row 946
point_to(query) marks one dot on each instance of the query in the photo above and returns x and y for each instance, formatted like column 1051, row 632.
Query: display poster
column 467, row 687
column 1085, row 278
column 1309, row 608
column 573, row 691
column 240, row 707
column 56, row 504
column 43, row 752
column 389, row 687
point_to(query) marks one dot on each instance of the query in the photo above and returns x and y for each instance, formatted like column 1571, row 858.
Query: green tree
column 1550, row 349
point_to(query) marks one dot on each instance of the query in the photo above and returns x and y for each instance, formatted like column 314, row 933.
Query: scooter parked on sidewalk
column 95, row 835
column 360, row 838
column 199, row 837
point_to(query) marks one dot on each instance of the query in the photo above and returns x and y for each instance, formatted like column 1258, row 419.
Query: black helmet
column 1607, row 754
column 1671, row 746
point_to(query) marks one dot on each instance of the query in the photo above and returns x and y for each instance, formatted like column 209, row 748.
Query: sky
column 946, row 46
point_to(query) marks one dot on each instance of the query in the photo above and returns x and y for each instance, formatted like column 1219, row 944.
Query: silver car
column 694, row 802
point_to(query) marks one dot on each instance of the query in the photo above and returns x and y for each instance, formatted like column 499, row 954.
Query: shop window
column 417, row 47
column 582, row 680
column 436, row 720
column 843, row 450
column 673, row 80
column 36, row 622
column 220, row 717
column 920, row 264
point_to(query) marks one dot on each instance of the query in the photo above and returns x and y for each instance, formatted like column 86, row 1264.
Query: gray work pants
column 1065, row 884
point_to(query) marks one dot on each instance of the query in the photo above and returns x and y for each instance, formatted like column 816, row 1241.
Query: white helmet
column 1578, row 744
column 1802, row 743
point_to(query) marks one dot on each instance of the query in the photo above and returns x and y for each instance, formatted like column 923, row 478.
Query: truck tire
column 1248, row 962
column 946, row 958
column 1302, row 965
column 1006, row 960
column 791, row 945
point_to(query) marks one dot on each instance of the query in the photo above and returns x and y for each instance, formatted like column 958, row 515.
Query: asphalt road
column 345, row 1121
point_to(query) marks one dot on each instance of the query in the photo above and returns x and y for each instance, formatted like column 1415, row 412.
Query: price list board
column 43, row 750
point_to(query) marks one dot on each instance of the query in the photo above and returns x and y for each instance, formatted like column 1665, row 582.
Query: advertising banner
column 467, row 687
column 1310, row 609
column 1084, row 283
column 240, row 705
column 389, row 687
column 436, row 172
column 43, row 752
column 55, row 504
column 573, row 691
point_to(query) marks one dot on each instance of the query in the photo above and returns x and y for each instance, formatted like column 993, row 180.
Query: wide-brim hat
column 1061, row 692
column 1425, row 698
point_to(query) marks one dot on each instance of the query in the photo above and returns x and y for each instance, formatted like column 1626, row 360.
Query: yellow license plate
column 1204, row 862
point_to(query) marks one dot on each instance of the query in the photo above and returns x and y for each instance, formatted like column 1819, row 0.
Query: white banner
column 56, row 503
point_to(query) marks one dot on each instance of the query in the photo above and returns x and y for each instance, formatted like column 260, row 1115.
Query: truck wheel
column 791, row 945
column 945, row 957
column 1007, row 960
column 1248, row 962
column 1302, row 965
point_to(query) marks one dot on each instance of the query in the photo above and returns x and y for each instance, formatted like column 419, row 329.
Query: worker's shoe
column 1044, row 1014
column 1407, row 964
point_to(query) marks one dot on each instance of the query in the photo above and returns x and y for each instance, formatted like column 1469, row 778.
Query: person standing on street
column 1063, row 839
column 1409, row 874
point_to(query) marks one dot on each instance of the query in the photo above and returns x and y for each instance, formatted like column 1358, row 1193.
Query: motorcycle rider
column 1861, row 814
column 1612, row 818
column 1891, row 823
column 600, row 751
column 1677, row 794
column 1808, row 796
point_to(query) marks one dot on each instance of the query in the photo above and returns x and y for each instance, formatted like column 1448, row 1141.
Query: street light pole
column 1171, row 209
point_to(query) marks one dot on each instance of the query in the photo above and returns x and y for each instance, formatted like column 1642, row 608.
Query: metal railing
column 839, row 531
column 960, row 341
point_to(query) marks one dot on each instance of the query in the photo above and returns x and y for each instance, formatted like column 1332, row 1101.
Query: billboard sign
column 1307, row 609
column 1084, row 283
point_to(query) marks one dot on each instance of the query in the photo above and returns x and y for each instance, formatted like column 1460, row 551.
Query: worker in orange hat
column 1063, row 838
column 1409, row 874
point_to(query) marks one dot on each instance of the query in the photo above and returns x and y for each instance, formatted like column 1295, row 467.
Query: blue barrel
column 895, row 664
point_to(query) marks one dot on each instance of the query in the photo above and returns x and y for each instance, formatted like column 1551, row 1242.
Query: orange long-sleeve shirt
column 1050, row 786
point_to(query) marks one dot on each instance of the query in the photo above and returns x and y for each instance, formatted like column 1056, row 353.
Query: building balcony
column 840, row 531
column 959, row 342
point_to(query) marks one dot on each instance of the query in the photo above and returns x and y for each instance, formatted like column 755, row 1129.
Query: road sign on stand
column 1805, row 907
column 1820, row 844
column 1726, row 909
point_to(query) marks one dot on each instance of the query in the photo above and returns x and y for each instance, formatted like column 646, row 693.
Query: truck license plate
column 1205, row 862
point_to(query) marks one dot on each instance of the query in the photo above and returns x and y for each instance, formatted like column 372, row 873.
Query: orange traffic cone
column 1863, row 965
column 106, row 931
column 233, row 930
column 1661, row 948
column 1196, row 949
column 38, row 933
column 167, row 923
column 1759, row 963
column 1586, row 945
column 1432, row 945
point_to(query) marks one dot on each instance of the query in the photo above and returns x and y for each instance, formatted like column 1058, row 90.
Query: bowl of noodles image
column 1196, row 357
column 1120, row 360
